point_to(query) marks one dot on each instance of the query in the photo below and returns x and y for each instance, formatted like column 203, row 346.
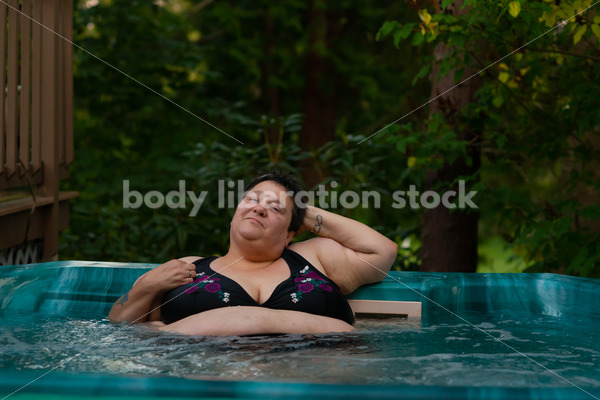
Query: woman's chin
column 250, row 236
column 251, row 232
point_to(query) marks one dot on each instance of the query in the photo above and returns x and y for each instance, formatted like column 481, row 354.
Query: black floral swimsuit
column 306, row 290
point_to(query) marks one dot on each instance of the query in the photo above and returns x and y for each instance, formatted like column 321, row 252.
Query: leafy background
column 245, row 68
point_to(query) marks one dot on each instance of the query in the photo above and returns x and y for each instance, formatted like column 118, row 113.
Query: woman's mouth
column 255, row 220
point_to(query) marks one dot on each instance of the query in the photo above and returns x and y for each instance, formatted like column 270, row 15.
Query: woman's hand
column 303, row 228
column 142, row 302
column 167, row 276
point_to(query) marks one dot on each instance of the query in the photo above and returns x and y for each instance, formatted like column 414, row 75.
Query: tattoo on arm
column 123, row 299
column 317, row 226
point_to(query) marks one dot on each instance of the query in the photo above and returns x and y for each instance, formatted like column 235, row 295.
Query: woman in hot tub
column 265, row 284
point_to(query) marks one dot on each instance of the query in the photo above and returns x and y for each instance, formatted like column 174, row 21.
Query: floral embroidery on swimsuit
column 209, row 284
column 307, row 282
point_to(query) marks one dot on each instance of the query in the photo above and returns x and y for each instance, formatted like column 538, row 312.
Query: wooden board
column 386, row 307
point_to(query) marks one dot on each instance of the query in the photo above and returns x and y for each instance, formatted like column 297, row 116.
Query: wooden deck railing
column 36, row 121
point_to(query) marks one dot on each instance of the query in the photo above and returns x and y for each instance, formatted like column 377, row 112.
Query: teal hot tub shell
column 479, row 334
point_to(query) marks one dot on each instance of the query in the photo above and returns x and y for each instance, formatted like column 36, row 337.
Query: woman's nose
column 260, row 209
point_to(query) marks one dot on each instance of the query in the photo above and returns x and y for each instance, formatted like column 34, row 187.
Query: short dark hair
column 290, row 184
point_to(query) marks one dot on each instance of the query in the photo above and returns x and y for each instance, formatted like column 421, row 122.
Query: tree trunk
column 319, row 94
column 449, row 237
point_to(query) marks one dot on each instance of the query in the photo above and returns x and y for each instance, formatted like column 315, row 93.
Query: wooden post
column 67, row 13
column 11, row 89
column 3, row 10
column 25, row 96
column 50, row 162
column 36, row 90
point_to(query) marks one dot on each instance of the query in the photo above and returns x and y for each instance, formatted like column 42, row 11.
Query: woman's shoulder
column 331, row 258
column 311, row 248
column 308, row 251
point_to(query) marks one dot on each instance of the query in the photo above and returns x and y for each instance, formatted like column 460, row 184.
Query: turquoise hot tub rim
column 432, row 289
column 394, row 276
column 96, row 385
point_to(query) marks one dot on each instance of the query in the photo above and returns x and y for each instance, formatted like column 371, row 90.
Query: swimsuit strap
column 297, row 263
column 201, row 261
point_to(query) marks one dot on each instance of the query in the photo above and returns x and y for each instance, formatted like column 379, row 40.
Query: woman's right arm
column 147, row 292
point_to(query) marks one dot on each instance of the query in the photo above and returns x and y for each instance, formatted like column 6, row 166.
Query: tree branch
column 566, row 53
column 201, row 5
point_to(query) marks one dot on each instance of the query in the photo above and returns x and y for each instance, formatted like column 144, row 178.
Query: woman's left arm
column 351, row 253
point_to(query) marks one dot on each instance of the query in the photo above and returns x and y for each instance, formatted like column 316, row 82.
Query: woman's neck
column 252, row 255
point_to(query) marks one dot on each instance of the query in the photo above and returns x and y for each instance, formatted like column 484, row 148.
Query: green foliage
column 536, row 111
column 539, row 121
column 147, row 235
column 218, row 60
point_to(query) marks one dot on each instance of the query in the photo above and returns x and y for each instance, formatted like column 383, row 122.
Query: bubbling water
column 447, row 352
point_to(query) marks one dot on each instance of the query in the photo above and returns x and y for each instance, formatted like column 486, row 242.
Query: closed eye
column 275, row 207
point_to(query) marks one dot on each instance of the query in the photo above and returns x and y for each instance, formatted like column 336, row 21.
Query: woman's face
column 263, row 216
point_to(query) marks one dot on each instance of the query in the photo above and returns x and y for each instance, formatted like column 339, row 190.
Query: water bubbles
column 444, row 351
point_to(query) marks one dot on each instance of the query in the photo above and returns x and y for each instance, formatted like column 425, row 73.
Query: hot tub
column 492, row 336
